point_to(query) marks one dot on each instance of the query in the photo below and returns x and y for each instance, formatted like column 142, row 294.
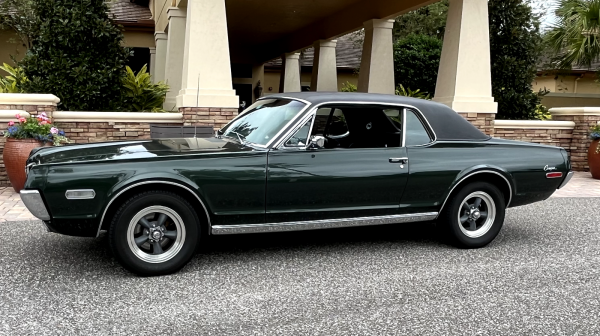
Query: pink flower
column 22, row 120
column 11, row 123
column 43, row 122
column 43, row 114
column 17, row 115
column 54, row 130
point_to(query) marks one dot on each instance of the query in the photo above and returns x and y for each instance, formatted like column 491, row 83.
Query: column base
column 208, row 98
column 483, row 121
column 469, row 104
column 208, row 116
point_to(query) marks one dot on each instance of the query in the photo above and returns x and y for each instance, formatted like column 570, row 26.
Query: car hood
column 125, row 150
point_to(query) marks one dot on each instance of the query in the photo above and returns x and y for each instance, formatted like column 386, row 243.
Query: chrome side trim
column 314, row 108
column 404, row 128
column 475, row 173
column 69, row 194
column 151, row 182
column 567, row 179
column 322, row 224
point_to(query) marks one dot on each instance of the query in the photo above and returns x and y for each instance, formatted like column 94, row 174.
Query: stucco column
column 175, row 47
column 464, row 81
column 160, row 57
column 152, row 62
column 290, row 74
column 206, row 80
column 377, row 63
column 324, row 72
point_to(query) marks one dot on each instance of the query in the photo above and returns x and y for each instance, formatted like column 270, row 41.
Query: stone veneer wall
column 207, row 116
column 551, row 137
column 483, row 121
column 580, row 142
column 84, row 132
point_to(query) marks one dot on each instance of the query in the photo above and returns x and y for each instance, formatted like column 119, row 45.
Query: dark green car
column 291, row 162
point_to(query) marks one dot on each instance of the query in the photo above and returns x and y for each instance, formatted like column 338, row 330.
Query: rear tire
column 154, row 233
column 474, row 215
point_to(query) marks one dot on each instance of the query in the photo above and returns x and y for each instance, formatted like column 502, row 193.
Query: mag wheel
column 154, row 233
column 474, row 215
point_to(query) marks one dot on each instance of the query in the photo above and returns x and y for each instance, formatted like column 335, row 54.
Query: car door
column 361, row 172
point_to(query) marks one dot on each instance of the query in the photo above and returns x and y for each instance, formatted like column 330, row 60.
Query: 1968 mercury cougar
column 290, row 162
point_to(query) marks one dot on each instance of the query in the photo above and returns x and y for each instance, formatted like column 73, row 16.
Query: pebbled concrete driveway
column 541, row 276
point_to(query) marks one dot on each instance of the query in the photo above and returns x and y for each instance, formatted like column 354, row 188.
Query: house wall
column 10, row 44
column 272, row 80
column 160, row 13
column 583, row 83
column 139, row 39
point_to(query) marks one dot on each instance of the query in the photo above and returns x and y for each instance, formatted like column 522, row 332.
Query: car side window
column 416, row 133
column 300, row 138
column 338, row 127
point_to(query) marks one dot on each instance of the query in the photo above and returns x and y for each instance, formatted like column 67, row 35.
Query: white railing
column 534, row 124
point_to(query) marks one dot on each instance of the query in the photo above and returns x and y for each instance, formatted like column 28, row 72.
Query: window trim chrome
column 152, row 182
column 426, row 126
column 315, row 107
column 323, row 224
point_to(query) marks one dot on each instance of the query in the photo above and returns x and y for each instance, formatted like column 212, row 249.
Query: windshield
column 263, row 120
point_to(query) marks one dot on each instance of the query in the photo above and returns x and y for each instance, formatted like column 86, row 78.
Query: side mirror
column 316, row 142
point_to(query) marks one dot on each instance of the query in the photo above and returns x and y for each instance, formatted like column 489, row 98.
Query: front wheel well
column 489, row 177
column 187, row 194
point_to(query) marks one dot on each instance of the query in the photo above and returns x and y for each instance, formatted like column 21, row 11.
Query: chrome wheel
column 156, row 234
column 477, row 214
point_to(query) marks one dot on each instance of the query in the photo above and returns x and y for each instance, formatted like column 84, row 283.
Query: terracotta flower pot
column 16, row 152
column 594, row 159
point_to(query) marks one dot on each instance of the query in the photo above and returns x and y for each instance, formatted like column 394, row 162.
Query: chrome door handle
column 399, row 160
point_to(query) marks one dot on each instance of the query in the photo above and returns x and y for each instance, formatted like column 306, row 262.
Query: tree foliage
column 416, row 62
column 429, row 20
column 77, row 55
column 515, row 45
column 18, row 15
column 575, row 36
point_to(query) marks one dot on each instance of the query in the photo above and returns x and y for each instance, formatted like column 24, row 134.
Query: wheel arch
column 178, row 187
column 496, row 176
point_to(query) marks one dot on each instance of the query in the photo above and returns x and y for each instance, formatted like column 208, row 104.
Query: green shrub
column 77, row 55
column 349, row 87
column 140, row 94
column 13, row 83
column 401, row 91
column 416, row 62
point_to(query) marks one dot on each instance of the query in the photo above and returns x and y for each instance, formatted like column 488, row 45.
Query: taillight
column 554, row 175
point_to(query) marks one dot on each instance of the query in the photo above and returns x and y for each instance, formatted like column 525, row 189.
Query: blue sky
column 549, row 12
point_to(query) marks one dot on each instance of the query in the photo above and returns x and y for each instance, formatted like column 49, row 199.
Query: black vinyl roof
column 445, row 122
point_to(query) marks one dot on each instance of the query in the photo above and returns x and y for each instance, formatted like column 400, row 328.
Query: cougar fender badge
column 548, row 168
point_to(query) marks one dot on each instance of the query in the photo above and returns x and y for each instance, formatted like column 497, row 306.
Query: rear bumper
column 566, row 180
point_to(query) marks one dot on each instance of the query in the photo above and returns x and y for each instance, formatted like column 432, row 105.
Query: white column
column 290, row 73
column 377, row 63
column 464, row 80
column 175, row 47
column 161, row 57
column 324, row 72
column 206, row 78
column 152, row 62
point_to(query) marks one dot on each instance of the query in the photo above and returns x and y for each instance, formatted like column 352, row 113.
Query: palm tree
column 575, row 36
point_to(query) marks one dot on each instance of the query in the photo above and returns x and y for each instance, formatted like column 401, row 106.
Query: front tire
column 474, row 215
column 154, row 233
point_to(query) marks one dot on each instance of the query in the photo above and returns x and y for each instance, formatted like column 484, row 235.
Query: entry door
column 244, row 91
column 334, row 183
